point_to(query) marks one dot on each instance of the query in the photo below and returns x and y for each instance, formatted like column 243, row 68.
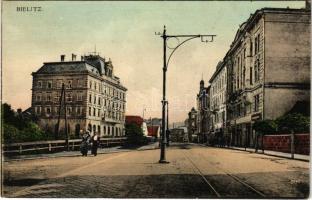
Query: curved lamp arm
column 178, row 47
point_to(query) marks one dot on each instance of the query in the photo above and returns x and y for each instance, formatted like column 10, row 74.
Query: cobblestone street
column 193, row 171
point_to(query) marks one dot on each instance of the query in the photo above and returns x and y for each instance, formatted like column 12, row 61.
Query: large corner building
column 95, row 98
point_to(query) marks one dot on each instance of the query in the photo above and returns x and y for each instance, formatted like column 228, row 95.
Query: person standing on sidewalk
column 95, row 143
column 84, row 146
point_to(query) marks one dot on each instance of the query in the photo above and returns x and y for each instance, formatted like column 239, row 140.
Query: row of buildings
column 264, row 74
column 95, row 99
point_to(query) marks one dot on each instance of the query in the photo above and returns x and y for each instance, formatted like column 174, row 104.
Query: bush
column 293, row 121
column 265, row 127
column 10, row 134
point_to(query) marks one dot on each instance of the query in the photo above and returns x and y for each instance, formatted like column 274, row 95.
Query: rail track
column 213, row 189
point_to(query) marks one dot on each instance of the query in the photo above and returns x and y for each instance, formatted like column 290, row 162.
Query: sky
column 125, row 32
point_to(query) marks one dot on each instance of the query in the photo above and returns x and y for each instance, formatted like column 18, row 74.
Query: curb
column 72, row 155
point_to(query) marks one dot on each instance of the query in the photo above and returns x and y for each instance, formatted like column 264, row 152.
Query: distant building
column 218, row 84
column 154, row 131
column 203, row 114
column 268, row 69
column 95, row 98
column 192, row 124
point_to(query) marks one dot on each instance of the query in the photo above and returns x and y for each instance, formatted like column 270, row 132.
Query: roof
column 72, row 66
column 218, row 69
column 132, row 119
column 152, row 130
column 250, row 22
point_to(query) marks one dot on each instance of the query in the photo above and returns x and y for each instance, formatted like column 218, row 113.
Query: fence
column 54, row 145
column 284, row 143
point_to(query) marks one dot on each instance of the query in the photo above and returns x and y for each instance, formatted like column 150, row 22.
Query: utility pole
column 167, row 133
column 165, row 67
column 62, row 102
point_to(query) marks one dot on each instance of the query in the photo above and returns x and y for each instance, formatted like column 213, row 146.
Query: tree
column 17, row 128
column 134, row 134
column 294, row 121
column 265, row 126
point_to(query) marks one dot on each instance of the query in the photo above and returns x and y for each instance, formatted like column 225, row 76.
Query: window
column 94, row 112
column 95, row 85
column 48, row 110
column 38, row 110
column 69, row 84
column 79, row 96
column 250, row 50
column 69, row 110
column 78, row 110
column 69, row 97
column 99, row 101
column 90, row 84
column 257, row 70
column 48, row 96
column 59, row 83
column 99, row 113
column 258, row 41
column 39, row 84
column 38, row 97
column 256, row 103
column 94, row 99
column 90, row 111
column 49, row 86
column 250, row 80
column 90, row 98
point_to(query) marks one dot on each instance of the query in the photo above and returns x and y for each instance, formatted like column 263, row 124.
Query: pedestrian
column 84, row 146
column 95, row 143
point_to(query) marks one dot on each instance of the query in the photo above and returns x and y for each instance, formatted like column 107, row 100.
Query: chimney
column 73, row 57
column 62, row 58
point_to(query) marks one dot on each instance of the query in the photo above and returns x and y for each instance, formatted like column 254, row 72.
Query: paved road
column 193, row 171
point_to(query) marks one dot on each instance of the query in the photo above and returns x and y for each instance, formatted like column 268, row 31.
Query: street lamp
column 165, row 67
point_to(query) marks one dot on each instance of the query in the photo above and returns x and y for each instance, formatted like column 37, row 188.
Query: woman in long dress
column 85, row 144
column 95, row 143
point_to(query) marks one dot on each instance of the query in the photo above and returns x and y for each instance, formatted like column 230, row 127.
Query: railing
column 54, row 145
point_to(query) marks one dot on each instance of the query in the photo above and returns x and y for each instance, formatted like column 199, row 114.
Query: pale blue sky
column 124, row 32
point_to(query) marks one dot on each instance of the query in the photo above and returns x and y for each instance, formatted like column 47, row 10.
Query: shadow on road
column 161, row 186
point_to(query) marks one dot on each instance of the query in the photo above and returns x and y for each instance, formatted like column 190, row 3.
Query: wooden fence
column 54, row 145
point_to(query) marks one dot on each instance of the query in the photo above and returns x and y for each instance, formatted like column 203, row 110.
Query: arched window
column 77, row 130
column 94, row 129
column 89, row 127
column 99, row 129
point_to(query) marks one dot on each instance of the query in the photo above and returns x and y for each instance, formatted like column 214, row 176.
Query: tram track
column 225, row 172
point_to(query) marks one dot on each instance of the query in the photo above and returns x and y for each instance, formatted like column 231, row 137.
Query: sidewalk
column 115, row 149
column 274, row 153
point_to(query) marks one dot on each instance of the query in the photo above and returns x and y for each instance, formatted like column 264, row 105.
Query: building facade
column 95, row 98
column 218, row 84
column 268, row 69
column 203, row 115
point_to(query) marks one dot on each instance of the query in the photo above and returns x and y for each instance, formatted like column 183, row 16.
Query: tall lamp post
column 165, row 67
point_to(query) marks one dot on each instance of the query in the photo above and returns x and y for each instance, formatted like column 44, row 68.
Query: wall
column 282, row 143
column 278, row 101
column 287, row 47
